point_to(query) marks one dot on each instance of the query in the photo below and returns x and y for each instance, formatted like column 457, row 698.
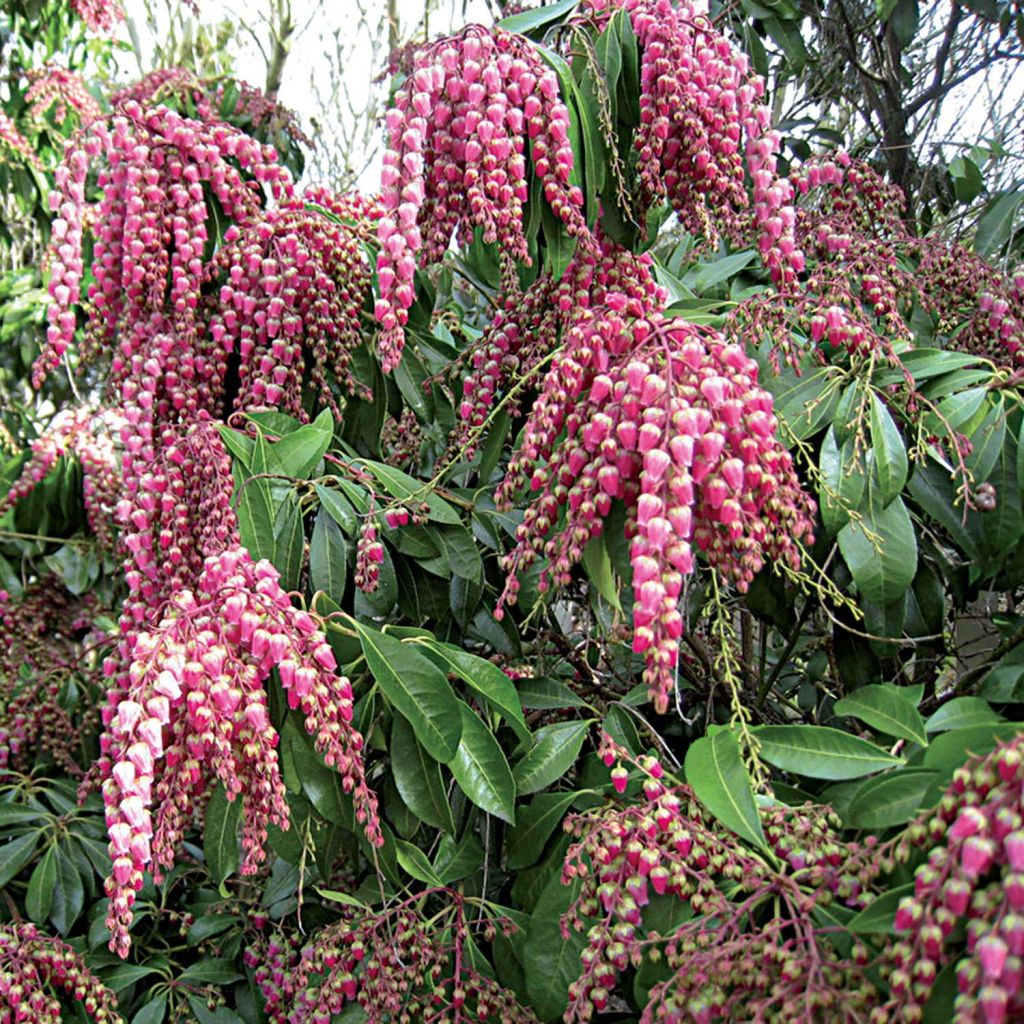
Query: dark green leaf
column 819, row 752
column 555, row 749
column 152, row 1012
column 887, row 709
column 298, row 453
column 890, row 799
column 414, row 862
column 418, row 778
column 220, row 834
column 68, row 892
column 417, row 689
column 211, row 971
column 456, row 861
column 550, row 961
column 41, row 884
column 535, row 824
column 16, row 853
column 720, row 780
column 289, row 542
column 877, row 917
column 961, row 713
column 890, row 456
column 339, row 508
column 996, row 224
column 480, row 768
column 486, row 679
column 540, row 18
column 883, row 565
column 328, row 557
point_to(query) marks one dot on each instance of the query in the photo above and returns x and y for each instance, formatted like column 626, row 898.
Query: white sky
column 309, row 64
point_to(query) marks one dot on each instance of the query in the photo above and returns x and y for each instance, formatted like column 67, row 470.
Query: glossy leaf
column 486, row 679
column 885, row 708
column 819, row 752
column 890, row 799
column 418, row 778
column 555, row 749
column 535, row 825
column 417, row 689
column 220, row 834
column 890, row 456
column 961, row 713
column 328, row 557
column 883, row 565
column 480, row 768
column 720, row 781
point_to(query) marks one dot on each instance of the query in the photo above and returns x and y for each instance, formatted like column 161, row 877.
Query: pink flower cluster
column 203, row 624
column 196, row 700
column 529, row 325
column 668, row 418
column 294, row 284
column 457, row 161
column 45, row 630
column 60, row 90
column 396, row 965
column 728, row 962
column 34, row 968
column 98, row 15
column 14, row 147
column 703, row 127
column 150, row 225
column 87, row 436
column 252, row 110
column 973, row 876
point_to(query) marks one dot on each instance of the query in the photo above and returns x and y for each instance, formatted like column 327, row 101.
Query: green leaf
column 338, row 508
column 455, row 861
column 41, row 884
column 328, row 557
column 555, row 749
column 124, row 975
column 344, row 898
column 961, row 713
column 418, row 778
column 704, row 276
column 238, row 444
column 887, row 709
column 882, row 573
column 298, row 453
column 967, row 180
column 786, row 35
column 401, row 485
column 818, row 752
column 461, row 552
column 68, row 892
column 721, row 782
column 951, row 749
column 152, row 1012
column 414, row 862
column 535, row 824
column 843, row 481
column 890, row 456
column 890, row 799
column 877, row 918
column 541, row 17
column 16, row 853
column 220, row 834
column 211, row 971
column 480, row 768
column 486, row 679
column 417, row 689
column 551, row 962
column 996, row 224
column 256, row 510
column 599, row 571
column 546, row 694
column 289, row 542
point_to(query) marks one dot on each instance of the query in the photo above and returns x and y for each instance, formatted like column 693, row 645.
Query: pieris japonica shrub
column 532, row 591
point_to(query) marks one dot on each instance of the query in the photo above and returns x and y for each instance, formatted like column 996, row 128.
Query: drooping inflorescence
column 703, row 129
column 34, row 967
column 973, row 876
column 87, row 435
column 395, row 964
column 866, row 271
column 758, row 954
column 203, row 623
column 456, row 161
column 294, row 286
column 669, row 419
column 14, row 147
column 151, row 225
column 60, row 90
column 99, row 15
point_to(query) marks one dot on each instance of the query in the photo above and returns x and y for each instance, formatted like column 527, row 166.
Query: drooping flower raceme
column 34, row 967
column 669, row 419
column 203, row 623
column 456, row 161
